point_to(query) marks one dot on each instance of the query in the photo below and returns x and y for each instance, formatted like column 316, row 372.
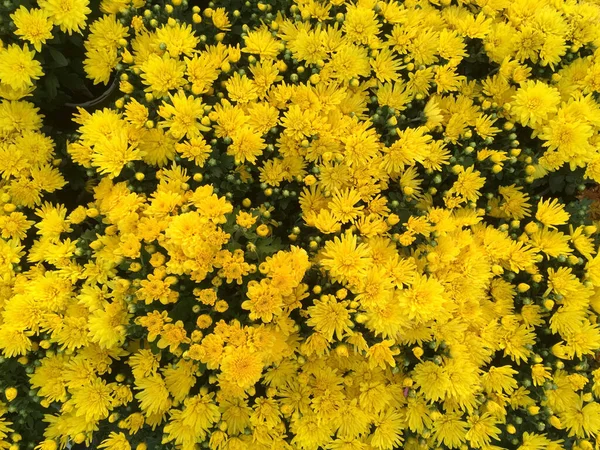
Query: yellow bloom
column 162, row 74
column 410, row 147
column 450, row 430
column 570, row 137
column 242, row 367
column 69, row 15
column 115, row 441
column 94, row 401
column 360, row 24
column 583, row 244
column 99, row 64
column 516, row 342
column 202, row 70
column 583, row 339
column 14, row 342
column 49, row 378
column 179, row 39
column 196, row 150
column 551, row 213
column 424, row 300
column 261, row 42
column 241, row 89
column 156, row 147
column 247, row 145
column 181, row 116
column 111, row 155
column 105, row 33
column 136, row 113
column 533, row 440
column 172, row 336
column 325, row 221
column 482, row 429
column 309, row 432
column 381, row 355
column 385, row 67
column 581, row 421
column 14, row 226
column 180, row 379
column 192, row 423
column 18, row 68
column 552, row 243
column 344, row 258
column 108, row 325
column 534, row 102
column 388, row 430
column 220, row 19
column 420, row 265
column 264, row 301
column 328, row 316
column 33, row 26
column 154, row 396
column 203, row 321
column 539, row 374
column 468, row 184
column 143, row 363
column 515, row 202
column 245, row 220
column 343, row 205
column 47, row 445
column 432, row 380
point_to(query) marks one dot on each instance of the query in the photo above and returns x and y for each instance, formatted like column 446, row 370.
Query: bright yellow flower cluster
column 27, row 166
column 316, row 225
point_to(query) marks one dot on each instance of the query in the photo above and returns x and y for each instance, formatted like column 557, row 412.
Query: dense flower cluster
column 310, row 225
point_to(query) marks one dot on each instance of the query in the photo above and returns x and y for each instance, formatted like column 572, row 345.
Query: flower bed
column 299, row 225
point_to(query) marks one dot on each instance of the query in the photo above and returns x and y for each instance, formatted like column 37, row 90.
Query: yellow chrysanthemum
column 33, row 26
column 18, row 68
column 534, row 102
column 69, row 15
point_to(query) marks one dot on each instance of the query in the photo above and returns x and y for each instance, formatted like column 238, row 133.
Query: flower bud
column 555, row 422
column 393, row 219
column 263, row 230
column 10, row 393
column 342, row 350
column 418, row 352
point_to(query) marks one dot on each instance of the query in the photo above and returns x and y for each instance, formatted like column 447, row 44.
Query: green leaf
column 77, row 40
column 182, row 308
column 154, row 347
column 88, row 235
column 59, row 59
column 75, row 84
column 404, row 214
column 557, row 183
column 268, row 246
column 232, row 246
column 51, row 84
column 249, row 234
